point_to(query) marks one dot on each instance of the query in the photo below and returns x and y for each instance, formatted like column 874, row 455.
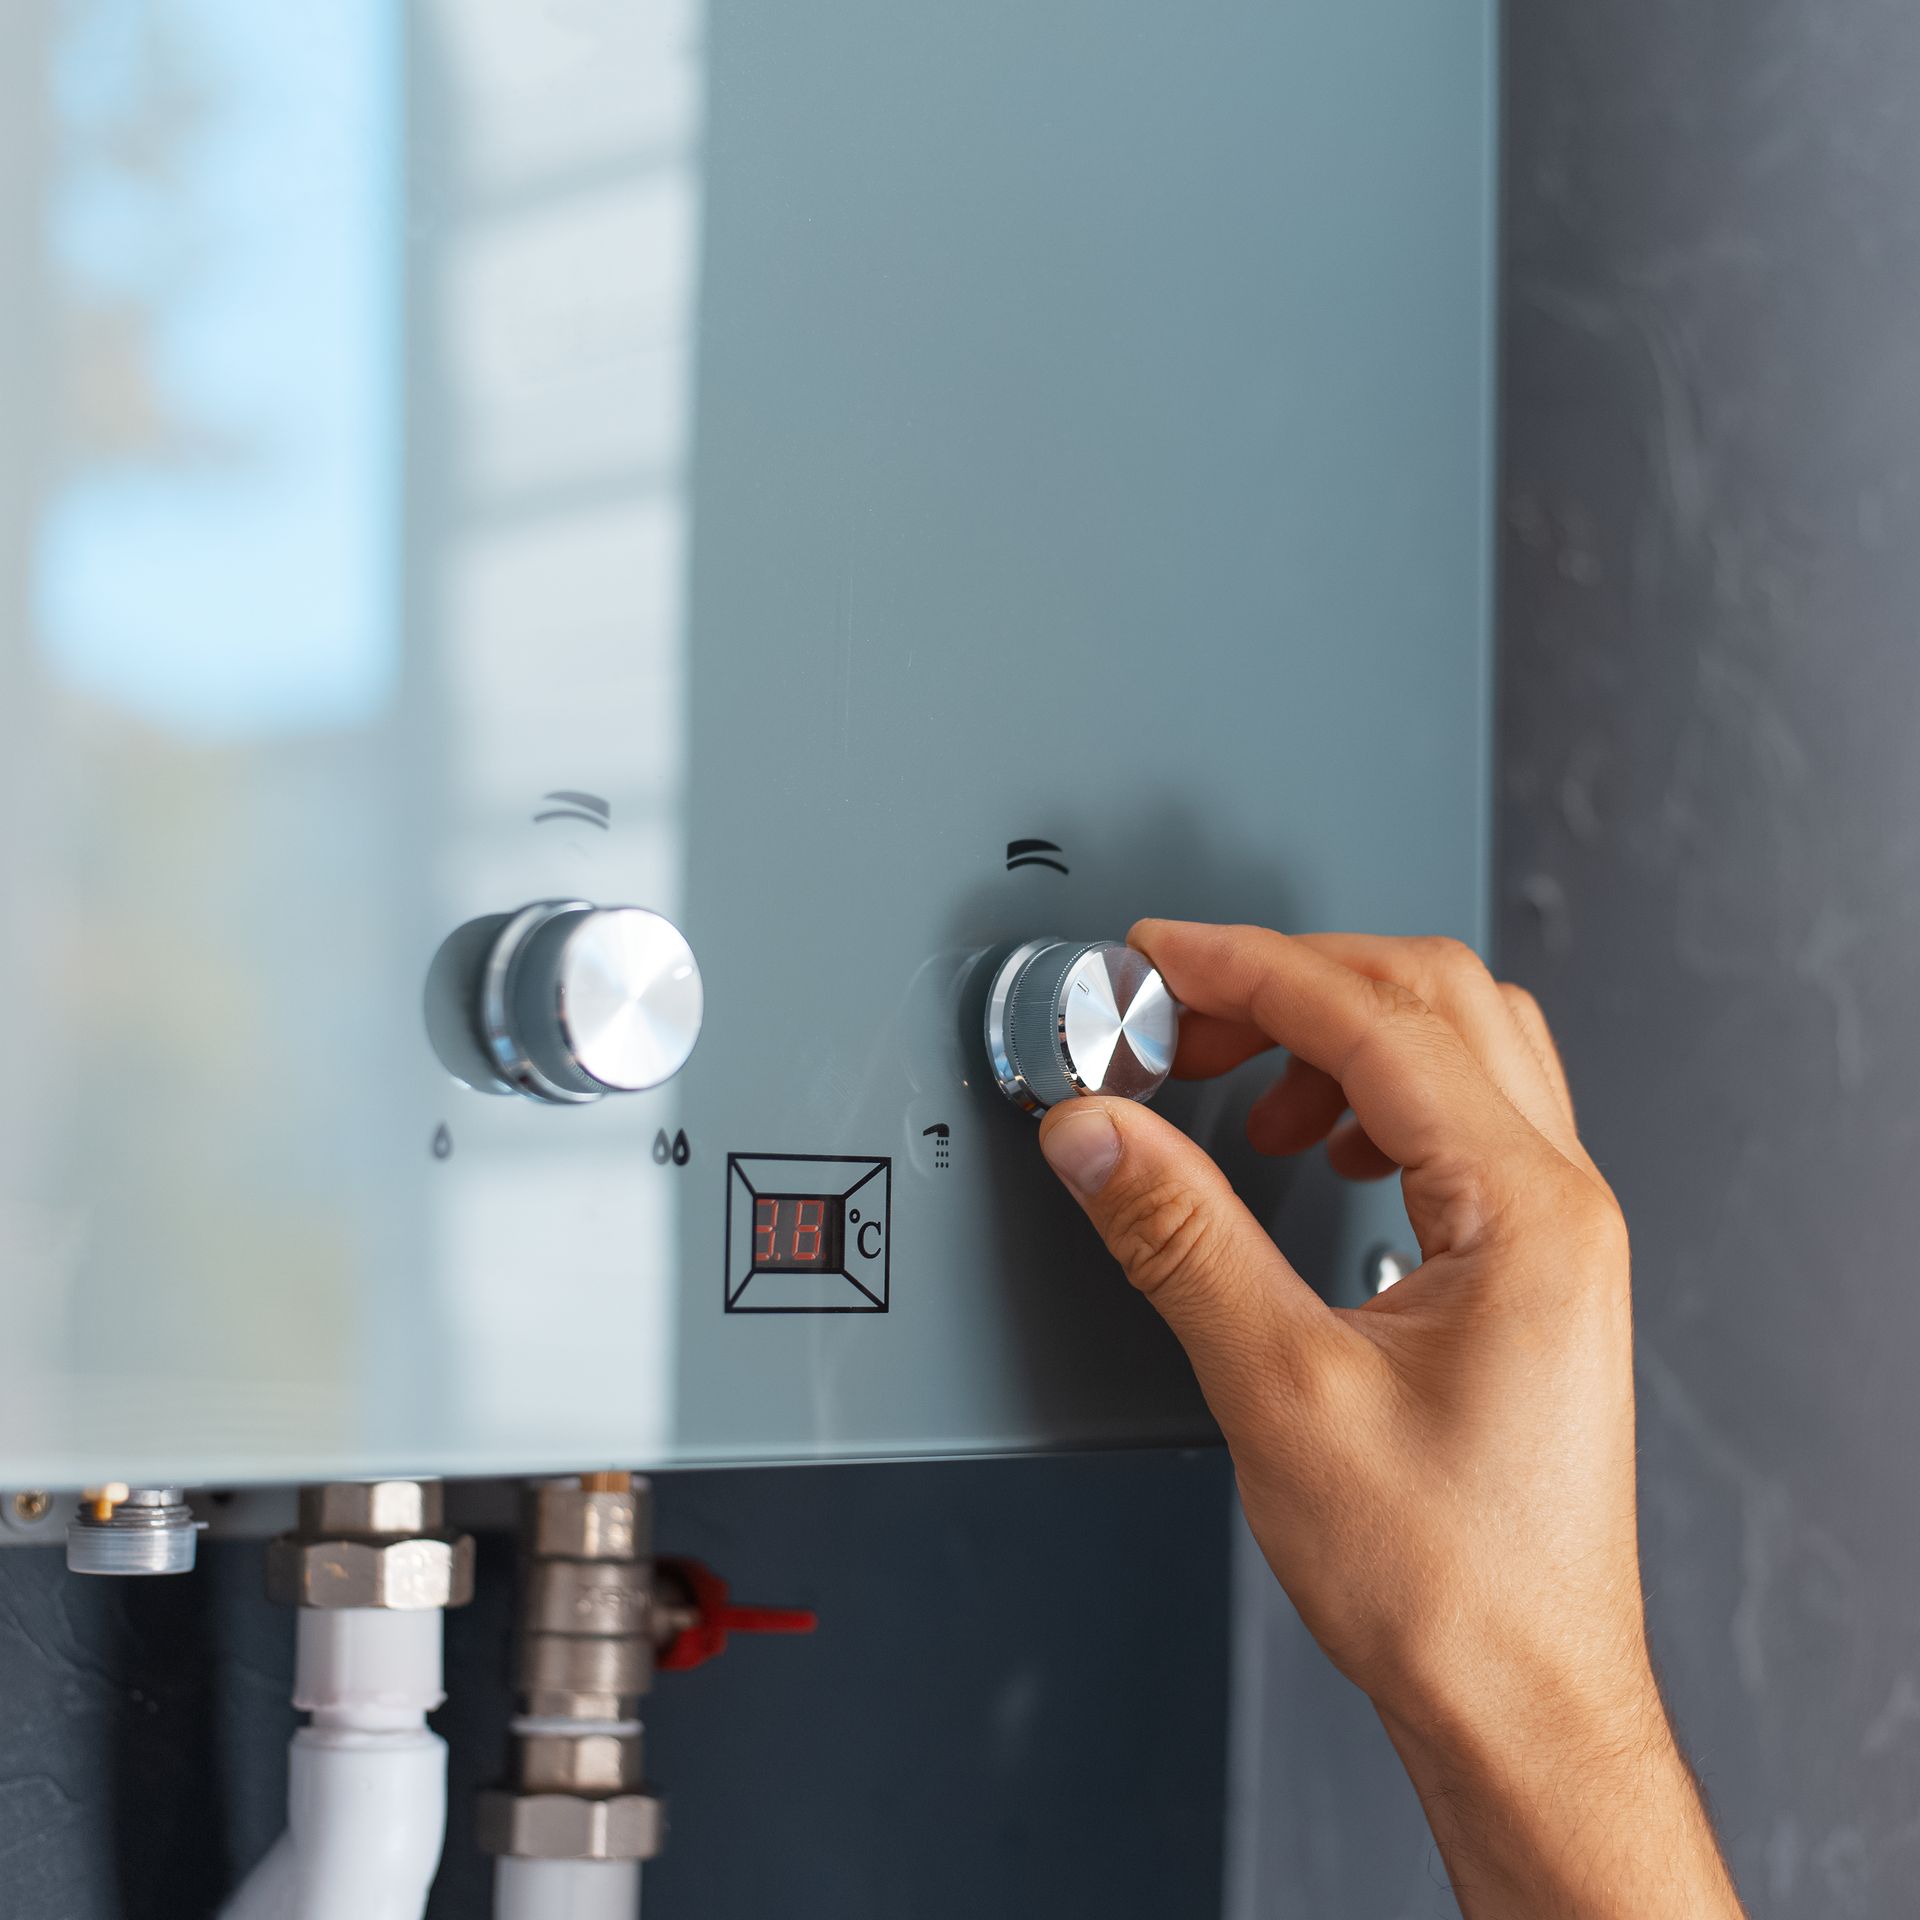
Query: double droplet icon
column 676, row 1152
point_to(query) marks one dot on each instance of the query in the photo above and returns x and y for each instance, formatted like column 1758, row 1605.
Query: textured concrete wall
column 1710, row 845
column 1709, row 869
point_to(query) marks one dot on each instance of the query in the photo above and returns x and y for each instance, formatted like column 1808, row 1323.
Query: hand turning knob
column 578, row 1001
column 1073, row 1017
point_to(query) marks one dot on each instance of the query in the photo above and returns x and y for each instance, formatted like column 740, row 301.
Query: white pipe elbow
column 366, row 1818
column 367, row 1781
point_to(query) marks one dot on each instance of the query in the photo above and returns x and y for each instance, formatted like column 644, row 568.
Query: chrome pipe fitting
column 372, row 1543
column 583, row 1664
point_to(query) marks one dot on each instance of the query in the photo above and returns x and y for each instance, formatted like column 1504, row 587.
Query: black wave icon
column 577, row 806
column 1033, row 853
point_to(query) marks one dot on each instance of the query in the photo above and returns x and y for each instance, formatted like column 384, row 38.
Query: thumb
column 1189, row 1244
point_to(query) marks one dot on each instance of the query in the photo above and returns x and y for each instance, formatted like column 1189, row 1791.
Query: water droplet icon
column 442, row 1142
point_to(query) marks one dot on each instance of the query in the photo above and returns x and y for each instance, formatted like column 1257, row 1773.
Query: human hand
column 1443, row 1478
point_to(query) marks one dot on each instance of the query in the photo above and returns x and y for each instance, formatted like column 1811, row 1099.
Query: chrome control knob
column 577, row 1001
column 1072, row 1017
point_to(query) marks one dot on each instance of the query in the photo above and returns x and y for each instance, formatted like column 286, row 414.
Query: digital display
column 809, row 1233
column 798, row 1232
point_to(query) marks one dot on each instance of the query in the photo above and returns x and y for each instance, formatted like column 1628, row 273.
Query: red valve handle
column 718, row 1617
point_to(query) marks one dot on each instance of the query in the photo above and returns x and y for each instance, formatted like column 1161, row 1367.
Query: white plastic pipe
column 366, row 1780
column 565, row 1889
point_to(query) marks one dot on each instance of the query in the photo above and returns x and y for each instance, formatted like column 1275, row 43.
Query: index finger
column 1411, row 1080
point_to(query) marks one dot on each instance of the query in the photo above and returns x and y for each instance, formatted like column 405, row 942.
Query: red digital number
column 806, row 1233
column 763, row 1252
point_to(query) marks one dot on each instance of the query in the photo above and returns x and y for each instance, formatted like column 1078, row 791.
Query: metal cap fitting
column 133, row 1530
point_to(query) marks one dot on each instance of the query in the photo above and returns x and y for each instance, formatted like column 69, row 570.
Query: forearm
column 1442, row 1479
column 1564, row 1808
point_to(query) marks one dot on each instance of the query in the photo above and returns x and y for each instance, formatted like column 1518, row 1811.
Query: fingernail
column 1082, row 1146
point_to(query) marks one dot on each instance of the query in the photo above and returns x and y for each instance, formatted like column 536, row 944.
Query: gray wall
column 1709, row 843
column 1710, row 840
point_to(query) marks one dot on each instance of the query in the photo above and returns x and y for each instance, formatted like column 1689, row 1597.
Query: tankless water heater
column 545, row 540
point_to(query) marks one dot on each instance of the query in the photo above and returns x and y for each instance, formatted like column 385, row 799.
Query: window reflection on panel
column 196, row 662
column 216, row 557
column 351, row 411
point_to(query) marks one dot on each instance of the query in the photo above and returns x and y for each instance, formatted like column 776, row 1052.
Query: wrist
column 1481, row 1711
column 1562, row 1793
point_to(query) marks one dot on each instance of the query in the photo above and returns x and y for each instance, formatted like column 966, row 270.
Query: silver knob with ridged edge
column 578, row 1001
column 1072, row 1017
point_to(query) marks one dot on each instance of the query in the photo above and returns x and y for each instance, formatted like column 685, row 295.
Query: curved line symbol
column 577, row 806
column 1032, row 853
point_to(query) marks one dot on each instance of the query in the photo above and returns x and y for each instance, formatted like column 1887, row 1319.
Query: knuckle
column 1451, row 961
column 1587, row 1213
column 1522, row 1002
column 1606, row 1223
column 1158, row 1232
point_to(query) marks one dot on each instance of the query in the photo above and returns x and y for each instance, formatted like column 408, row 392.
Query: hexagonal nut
column 563, row 1826
column 580, row 1763
column 404, row 1575
column 569, row 1523
column 355, row 1509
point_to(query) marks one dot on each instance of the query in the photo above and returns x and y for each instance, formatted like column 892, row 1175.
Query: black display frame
column 861, row 1283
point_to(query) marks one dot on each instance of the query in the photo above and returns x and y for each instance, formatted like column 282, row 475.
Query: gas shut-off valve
column 598, row 1618
column 1067, row 1018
